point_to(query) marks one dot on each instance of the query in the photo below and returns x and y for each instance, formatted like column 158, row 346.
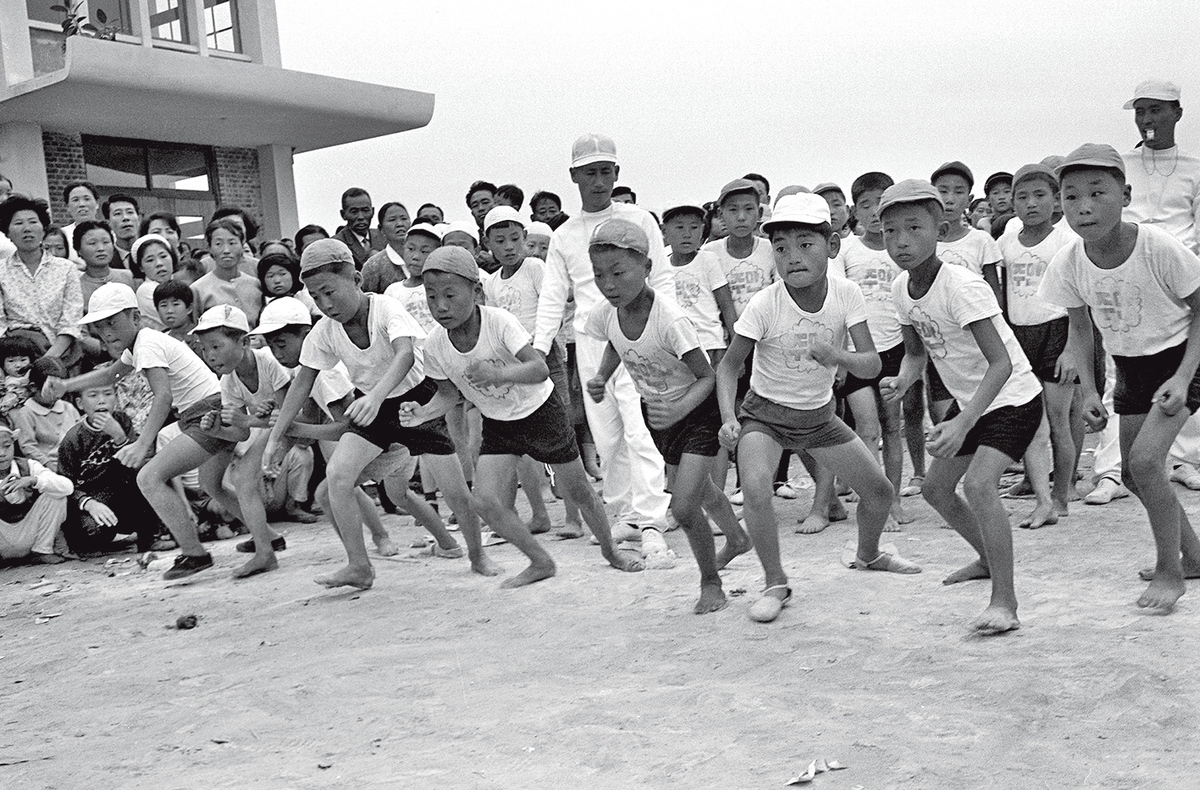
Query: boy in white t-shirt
column 484, row 354
column 1041, row 329
column 797, row 329
column 422, row 240
column 701, row 289
column 951, row 315
column 180, row 382
column 662, row 352
column 1142, row 287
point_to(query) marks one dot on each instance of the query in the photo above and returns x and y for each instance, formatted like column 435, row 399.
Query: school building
column 181, row 103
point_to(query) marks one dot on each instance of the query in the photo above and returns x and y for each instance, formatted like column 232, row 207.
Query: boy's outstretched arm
column 446, row 397
column 55, row 388
column 863, row 362
column 134, row 453
column 608, row 366
column 365, row 409
column 530, row 370
column 728, row 372
column 947, row 437
column 1172, row 395
column 728, row 310
column 911, row 367
column 298, row 393
column 1076, row 363
column 663, row 415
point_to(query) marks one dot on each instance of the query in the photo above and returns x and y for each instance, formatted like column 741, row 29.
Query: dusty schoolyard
column 596, row 679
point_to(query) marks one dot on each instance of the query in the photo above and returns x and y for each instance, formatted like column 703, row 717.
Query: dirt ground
column 596, row 679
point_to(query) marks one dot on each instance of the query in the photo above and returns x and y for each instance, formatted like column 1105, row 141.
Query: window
column 133, row 164
column 116, row 12
column 222, row 23
column 168, row 21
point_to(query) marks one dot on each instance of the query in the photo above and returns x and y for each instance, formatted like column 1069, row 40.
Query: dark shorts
column 1043, row 344
column 1139, row 377
column 794, row 429
column 1008, row 429
column 189, row 425
column 546, row 436
column 695, row 434
column 428, row 438
column 937, row 389
column 890, row 359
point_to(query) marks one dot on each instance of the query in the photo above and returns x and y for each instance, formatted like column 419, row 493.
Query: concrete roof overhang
column 122, row 90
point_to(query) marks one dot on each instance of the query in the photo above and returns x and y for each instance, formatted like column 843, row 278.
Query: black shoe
column 247, row 546
column 186, row 565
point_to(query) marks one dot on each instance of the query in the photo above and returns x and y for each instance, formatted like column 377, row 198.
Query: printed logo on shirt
column 1116, row 306
column 1025, row 274
column 418, row 307
column 876, row 282
column 494, row 391
column 687, row 290
column 745, row 280
column 927, row 327
column 651, row 376
column 508, row 299
column 958, row 259
column 798, row 340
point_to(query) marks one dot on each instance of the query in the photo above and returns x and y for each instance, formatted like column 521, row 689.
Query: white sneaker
column 1106, row 491
column 786, row 491
column 1188, row 475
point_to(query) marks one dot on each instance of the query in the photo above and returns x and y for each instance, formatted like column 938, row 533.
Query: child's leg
column 1037, row 472
column 420, row 510
column 493, row 479
column 448, row 474
column 1058, row 398
column 532, row 476
column 913, row 407
column 574, row 485
column 758, row 456
column 826, row 507
column 248, row 482
column 456, row 426
column 891, row 425
column 717, row 507
column 298, row 469
column 690, row 479
column 352, row 455
column 183, row 454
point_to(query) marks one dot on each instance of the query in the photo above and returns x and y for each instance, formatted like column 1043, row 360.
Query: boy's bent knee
column 979, row 488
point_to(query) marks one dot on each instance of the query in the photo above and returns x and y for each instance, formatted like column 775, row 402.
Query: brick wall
column 64, row 164
column 238, row 182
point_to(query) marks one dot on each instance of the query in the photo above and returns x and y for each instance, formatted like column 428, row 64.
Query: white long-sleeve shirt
column 1165, row 191
column 568, row 265
column 48, row 483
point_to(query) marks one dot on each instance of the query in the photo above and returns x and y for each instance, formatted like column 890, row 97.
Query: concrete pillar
column 259, row 31
column 281, row 217
column 16, row 54
column 22, row 159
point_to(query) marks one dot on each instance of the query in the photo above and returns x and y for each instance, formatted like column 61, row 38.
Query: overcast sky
column 697, row 93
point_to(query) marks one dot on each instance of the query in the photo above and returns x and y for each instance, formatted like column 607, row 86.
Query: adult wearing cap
column 633, row 468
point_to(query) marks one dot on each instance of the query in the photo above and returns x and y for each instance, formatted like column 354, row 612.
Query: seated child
column 1142, row 286
column 797, row 329
column 485, row 354
column 43, row 422
column 158, row 261
column 17, row 354
column 33, row 505
column 952, row 315
column 661, row 350
column 106, row 499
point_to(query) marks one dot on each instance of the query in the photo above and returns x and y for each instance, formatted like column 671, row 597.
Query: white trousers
column 634, row 472
column 37, row 531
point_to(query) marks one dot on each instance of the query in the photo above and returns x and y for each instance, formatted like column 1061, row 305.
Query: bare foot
column 1018, row 490
column 350, row 576
column 1042, row 515
column 730, row 550
column 813, row 523
column 899, row 514
column 539, row 527
column 837, row 511
column 386, row 547
column 624, row 561
column 256, row 565
column 712, row 599
column 623, row 532
column 569, row 531
column 485, row 567
column 976, row 570
column 1061, row 509
column 48, row 559
column 1073, row 496
column 534, row 573
column 1190, row 571
column 995, row 620
column 1162, row 594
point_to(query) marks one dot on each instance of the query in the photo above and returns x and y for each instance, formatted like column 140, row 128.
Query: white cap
column 436, row 231
column 284, row 311
column 1163, row 90
column 460, row 226
column 804, row 208
column 538, row 229
column 593, row 148
column 108, row 300
column 222, row 315
column 501, row 214
column 144, row 240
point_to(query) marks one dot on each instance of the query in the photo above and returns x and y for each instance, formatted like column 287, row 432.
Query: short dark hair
column 238, row 211
column 822, row 229
column 43, row 368
column 1115, row 172
column 18, row 345
column 869, row 182
column 354, row 192
column 513, row 194
column 760, row 178
column 174, row 289
column 166, row 217
column 383, row 210
column 479, row 186
column 73, row 185
column 543, row 194
column 432, row 205
column 624, row 190
column 309, row 230
column 118, row 197
column 141, row 253
column 277, row 259
column 15, row 203
column 82, row 229
column 222, row 224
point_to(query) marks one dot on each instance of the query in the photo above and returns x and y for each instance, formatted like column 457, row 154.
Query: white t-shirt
column 328, row 344
column 145, row 301
column 956, row 299
column 271, row 378
column 1025, row 267
column 746, row 276
column 655, row 359
column 1165, row 191
column 415, row 304
column 1139, row 306
column 973, row 251
column 694, row 286
column 191, row 380
column 518, row 294
column 331, row 386
column 783, row 372
column 501, row 336
column 874, row 271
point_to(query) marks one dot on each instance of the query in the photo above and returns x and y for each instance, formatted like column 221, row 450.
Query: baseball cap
column 827, row 186
column 284, row 311
column 1163, row 90
column 323, row 252
column 147, row 239
column 1037, row 169
column 460, row 226
column 621, row 233
column 1053, row 161
column 434, row 232
column 539, row 229
column 996, row 178
column 454, row 260
column 793, row 189
column 683, row 208
column 501, row 214
column 593, row 148
column 222, row 315
column 1091, row 155
column 736, row 186
column 108, row 300
column 912, row 190
column 806, row 208
column 953, row 167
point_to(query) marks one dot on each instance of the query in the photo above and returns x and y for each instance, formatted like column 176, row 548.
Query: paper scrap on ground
column 817, row 766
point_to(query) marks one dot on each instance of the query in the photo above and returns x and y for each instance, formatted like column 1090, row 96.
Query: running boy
column 797, row 329
column 950, row 314
column 484, row 353
column 1143, row 287
column 662, row 352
